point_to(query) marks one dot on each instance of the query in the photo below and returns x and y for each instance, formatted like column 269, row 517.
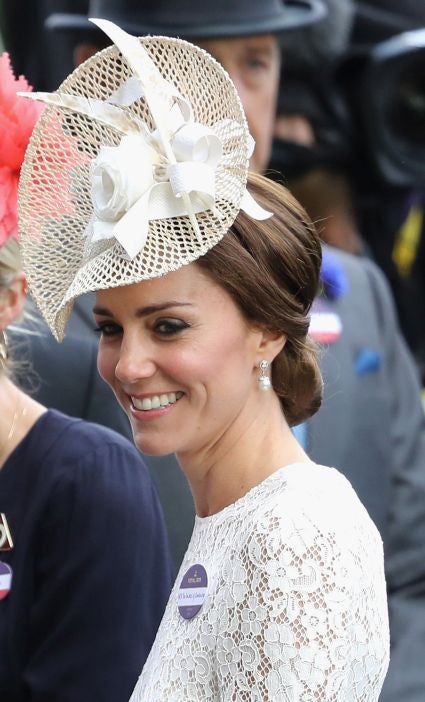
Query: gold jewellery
column 18, row 414
column 6, row 540
column 3, row 348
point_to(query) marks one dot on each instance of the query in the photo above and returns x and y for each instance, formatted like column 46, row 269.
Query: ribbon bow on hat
column 151, row 175
column 134, row 183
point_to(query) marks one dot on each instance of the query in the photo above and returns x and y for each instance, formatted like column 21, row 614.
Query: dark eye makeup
column 169, row 326
column 107, row 329
column 162, row 327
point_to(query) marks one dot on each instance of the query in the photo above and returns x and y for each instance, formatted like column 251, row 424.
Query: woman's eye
column 168, row 327
column 256, row 64
column 108, row 329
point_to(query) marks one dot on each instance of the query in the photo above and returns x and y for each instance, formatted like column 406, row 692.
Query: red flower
column 17, row 119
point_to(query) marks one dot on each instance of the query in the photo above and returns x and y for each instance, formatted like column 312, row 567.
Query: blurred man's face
column 253, row 64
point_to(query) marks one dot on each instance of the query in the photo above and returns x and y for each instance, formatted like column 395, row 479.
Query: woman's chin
column 151, row 447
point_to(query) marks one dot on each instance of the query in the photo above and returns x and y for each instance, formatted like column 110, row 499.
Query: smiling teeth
column 156, row 401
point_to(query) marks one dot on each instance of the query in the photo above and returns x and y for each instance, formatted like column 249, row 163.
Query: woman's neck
column 18, row 415
column 248, row 452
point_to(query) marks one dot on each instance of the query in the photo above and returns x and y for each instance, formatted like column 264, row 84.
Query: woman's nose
column 134, row 363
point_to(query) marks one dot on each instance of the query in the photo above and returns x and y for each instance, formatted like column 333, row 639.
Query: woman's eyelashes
column 164, row 327
column 169, row 326
column 108, row 329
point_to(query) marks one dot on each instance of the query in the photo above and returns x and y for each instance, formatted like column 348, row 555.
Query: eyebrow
column 259, row 49
column 144, row 311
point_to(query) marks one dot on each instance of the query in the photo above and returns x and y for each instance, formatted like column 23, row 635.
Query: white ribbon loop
column 253, row 209
column 193, row 178
column 196, row 142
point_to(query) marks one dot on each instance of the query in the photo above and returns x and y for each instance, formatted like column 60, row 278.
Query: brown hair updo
column 271, row 269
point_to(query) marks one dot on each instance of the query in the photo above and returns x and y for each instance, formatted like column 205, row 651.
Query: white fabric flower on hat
column 120, row 175
column 134, row 183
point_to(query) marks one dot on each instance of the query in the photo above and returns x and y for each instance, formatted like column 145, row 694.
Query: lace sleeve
column 303, row 615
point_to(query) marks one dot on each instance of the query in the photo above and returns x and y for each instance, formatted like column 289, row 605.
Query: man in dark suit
column 371, row 425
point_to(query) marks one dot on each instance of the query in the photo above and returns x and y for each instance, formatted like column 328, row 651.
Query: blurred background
column 350, row 140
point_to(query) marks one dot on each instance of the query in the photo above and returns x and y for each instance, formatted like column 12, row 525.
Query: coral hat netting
column 55, row 205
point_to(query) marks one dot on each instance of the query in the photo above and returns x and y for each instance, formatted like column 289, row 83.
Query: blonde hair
column 20, row 371
column 10, row 262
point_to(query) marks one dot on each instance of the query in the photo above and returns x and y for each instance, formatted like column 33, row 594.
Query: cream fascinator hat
column 137, row 167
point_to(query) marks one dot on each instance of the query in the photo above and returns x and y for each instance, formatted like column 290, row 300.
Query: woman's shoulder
column 85, row 466
column 61, row 432
column 307, row 502
column 67, row 447
column 297, row 484
column 301, row 485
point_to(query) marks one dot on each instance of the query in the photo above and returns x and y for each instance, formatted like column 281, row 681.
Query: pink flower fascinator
column 17, row 119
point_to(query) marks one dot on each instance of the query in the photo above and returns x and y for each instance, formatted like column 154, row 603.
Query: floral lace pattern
column 296, row 606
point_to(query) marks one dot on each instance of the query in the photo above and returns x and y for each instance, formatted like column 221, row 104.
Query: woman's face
column 12, row 300
column 180, row 359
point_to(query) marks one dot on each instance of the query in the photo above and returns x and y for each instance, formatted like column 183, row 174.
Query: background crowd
column 338, row 115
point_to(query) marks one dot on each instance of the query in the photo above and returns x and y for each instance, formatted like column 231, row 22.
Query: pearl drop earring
column 263, row 379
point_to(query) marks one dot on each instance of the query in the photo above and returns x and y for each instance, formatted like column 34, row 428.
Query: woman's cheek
column 106, row 363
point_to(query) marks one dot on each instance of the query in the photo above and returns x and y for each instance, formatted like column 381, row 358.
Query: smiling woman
column 246, row 298
column 204, row 283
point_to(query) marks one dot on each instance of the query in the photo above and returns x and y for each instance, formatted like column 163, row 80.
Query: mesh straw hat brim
column 55, row 197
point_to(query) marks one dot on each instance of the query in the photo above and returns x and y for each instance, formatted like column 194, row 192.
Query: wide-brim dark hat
column 189, row 19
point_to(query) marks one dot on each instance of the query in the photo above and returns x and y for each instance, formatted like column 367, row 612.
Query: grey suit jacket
column 372, row 427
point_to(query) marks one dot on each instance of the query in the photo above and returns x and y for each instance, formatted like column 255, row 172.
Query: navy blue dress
column 91, row 570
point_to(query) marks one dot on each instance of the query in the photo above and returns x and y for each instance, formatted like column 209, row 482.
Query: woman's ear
column 270, row 344
column 12, row 300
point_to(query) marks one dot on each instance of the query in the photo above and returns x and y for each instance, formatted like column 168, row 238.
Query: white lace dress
column 295, row 607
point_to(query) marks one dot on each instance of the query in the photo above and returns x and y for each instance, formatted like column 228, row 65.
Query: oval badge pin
column 192, row 591
column 5, row 580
